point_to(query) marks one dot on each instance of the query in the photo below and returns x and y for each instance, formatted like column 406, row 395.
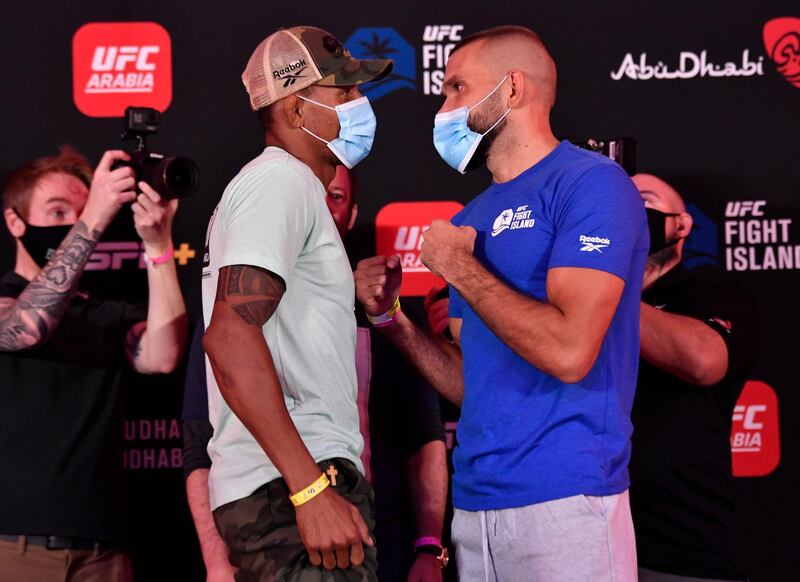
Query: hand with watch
column 431, row 559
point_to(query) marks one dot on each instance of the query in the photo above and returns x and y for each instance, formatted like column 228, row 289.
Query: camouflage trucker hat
column 291, row 59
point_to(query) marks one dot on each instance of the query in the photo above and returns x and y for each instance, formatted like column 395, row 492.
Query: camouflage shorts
column 263, row 541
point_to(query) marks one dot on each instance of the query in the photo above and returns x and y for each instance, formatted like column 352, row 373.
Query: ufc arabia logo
column 755, row 432
column 399, row 227
column 119, row 64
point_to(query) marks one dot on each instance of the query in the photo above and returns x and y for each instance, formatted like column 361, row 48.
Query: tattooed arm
column 332, row 529
column 32, row 318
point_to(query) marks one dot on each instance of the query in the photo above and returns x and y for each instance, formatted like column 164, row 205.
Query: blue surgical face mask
column 453, row 138
column 357, row 125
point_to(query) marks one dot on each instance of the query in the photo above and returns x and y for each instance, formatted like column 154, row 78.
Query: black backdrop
column 719, row 138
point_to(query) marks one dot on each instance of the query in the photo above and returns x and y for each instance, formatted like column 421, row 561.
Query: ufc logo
column 441, row 32
column 744, row 207
column 747, row 416
column 117, row 58
column 409, row 237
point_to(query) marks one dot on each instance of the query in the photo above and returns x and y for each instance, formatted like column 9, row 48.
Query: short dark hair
column 265, row 114
column 265, row 117
column 21, row 183
column 498, row 32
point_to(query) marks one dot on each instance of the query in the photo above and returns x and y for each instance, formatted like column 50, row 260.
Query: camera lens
column 181, row 177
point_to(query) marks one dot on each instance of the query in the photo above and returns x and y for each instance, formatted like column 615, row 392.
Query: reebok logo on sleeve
column 593, row 243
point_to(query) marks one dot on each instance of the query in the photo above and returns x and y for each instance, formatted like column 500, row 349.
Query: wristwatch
column 441, row 553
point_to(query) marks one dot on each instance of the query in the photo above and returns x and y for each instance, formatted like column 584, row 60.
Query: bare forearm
column 426, row 475
column 438, row 361
column 247, row 379
column 683, row 346
column 161, row 345
column 36, row 313
column 212, row 546
column 538, row 332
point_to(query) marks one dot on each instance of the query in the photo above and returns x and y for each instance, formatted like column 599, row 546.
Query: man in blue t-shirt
column 545, row 271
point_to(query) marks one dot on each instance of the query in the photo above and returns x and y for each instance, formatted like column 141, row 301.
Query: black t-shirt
column 61, row 425
column 681, row 474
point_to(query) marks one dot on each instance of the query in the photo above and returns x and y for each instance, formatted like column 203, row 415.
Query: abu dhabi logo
column 782, row 41
column 385, row 43
column 690, row 65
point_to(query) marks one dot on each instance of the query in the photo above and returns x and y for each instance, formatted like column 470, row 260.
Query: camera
column 171, row 177
column 620, row 149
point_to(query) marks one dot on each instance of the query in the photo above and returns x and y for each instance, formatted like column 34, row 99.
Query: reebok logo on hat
column 292, row 59
column 291, row 73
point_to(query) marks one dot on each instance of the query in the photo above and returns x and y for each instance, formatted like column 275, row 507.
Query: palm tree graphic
column 378, row 48
column 381, row 48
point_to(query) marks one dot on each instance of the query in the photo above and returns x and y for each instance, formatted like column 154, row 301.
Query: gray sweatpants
column 575, row 539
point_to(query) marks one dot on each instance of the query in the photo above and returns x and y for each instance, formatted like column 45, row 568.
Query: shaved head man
column 669, row 222
column 545, row 271
column 698, row 341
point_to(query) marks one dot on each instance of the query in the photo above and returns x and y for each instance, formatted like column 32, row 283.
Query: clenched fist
column 378, row 283
column 444, row 245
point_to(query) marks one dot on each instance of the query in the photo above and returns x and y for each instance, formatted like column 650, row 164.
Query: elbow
column 167, row 361
column 573, row 365
column 212, row 340
column 167, row 366
column 705, row 370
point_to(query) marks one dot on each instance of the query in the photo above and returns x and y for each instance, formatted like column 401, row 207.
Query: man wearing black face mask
column 698, row 341
column 62, row 502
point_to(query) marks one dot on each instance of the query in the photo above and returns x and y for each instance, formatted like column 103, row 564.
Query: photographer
column 63, row 511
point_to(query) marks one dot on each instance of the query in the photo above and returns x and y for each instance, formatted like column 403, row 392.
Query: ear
column 683, row 225
column 14, row 223
column 353, row 215
column 292, row 111
column 516, row 80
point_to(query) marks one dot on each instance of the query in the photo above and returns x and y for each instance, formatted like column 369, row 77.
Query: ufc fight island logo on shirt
column 593, row 243
column 755, row 434
column 511, row 220
column 120, row 64
column 398, row 231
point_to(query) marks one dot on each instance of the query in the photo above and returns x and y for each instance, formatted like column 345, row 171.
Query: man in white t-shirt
column 286, row 483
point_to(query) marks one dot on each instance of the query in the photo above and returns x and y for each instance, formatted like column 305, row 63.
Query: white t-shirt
column 273, row 215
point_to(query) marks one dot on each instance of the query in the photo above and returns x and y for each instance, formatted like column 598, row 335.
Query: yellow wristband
column 386, row 318
column 311, row 491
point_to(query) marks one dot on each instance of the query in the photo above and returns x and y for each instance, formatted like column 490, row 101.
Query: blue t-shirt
column 524, row 436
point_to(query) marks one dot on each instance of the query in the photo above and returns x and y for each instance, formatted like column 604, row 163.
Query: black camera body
column 620, row 149
column 171, row 177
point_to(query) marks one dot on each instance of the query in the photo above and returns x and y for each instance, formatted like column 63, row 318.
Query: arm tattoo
column 133, row 342
column 38, row 310
column 252, row 292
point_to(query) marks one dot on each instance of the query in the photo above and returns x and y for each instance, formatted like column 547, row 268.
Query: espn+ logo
column 117, row 256
column 121, row 64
